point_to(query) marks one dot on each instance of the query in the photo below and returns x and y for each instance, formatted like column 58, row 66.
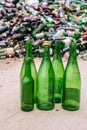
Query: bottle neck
column 28, row 66
column 28, row 49
column 57, row 53
column 73, row 55
column 46, row 52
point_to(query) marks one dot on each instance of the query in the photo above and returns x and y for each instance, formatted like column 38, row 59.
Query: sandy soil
column 11, row 116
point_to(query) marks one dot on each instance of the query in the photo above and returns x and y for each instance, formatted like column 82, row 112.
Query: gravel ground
column 11, row 116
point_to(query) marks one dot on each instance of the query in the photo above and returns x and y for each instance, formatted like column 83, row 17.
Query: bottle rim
column 46, row 43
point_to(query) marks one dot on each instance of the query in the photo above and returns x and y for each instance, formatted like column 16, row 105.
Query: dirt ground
column 11, row 116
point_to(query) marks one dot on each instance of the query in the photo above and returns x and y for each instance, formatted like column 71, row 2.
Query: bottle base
column 70, row 105
column 27, row 107
column 45, row 107
column 70, row 108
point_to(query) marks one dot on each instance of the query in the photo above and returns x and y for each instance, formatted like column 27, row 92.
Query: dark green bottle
column 9, row 16
column 40, row 0
column 27, row 83
column 3, row 55
column 33, row 69
column 45, row 92
column 15, row 1
column 58, row 70
column 71, row 82
column 3, row 29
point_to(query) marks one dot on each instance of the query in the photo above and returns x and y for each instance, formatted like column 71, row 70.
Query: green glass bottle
column 78, row 2
column 48, row 20
column 27, row 83
column 40, row 28
column 9, row 17
column 45, row 92
column 3, row 55
column 75, row 19
column 58, row 70
column 40, row 0
column 3, row 29
column 15, row 1
column 33, row 69
column 71, row 82
column 56, row 2
column 75, row 35
column 84, row 6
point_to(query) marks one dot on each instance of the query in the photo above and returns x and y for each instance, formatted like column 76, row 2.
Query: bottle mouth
column 47, row 43
column 73, row 40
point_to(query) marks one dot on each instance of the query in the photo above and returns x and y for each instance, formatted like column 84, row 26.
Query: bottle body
column 34, row 76
column 71, row 83
column 59, row 71
column 45, row 92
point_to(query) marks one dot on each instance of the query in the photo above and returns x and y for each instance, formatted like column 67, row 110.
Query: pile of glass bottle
column 52, row 84
column 44, row 20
